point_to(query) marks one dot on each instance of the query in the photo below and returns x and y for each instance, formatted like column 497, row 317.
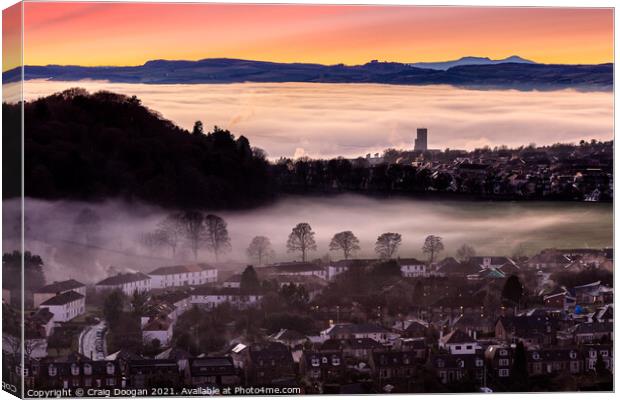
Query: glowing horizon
column 127, row 34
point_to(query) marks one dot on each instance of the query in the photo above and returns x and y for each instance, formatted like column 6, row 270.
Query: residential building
column 74, row 371
column 360, row 331
column 336, row 268
column 149, row 373
column 412, row 268
column 452, row 368
column 56, row 288
column 210, row 297
column 128, row 283
column 357, row 349
column 268, row 362
column 594, row 332
column 182, row 275
column 532, row 330
column 65, row 306
column 213, row 371
column 324, row 367
column 389, row 365
column 458, row 342
column 296, row 268
column 591, row 353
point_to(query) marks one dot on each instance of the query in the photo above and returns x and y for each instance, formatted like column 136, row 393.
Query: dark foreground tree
column 387, row 244
column 433, row 245
column 113, row 307
column 465, row 252
column 260, row 249
column 34, row 277
column 301, row 239
column 513, row 290
column 519, row 375
column 217, row 238
column 194, row 229
column 249, row 280
column 345, row 241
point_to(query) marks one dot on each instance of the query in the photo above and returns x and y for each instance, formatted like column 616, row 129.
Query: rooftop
column 62, row 299
column 121, row 279
column 181, row 269
column 62, row 286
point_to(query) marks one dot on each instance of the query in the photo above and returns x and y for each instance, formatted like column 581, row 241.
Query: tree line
column 199, row 230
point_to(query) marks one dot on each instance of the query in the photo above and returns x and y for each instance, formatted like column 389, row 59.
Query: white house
column 297, row 268
column 412, row 268
column 128, row 283
column 212, row 297
column 182, row 275
column 458, row 342
column 65, row 306
column 233, row 282
column 359, row 331
column 158, row 328
column 56, row 288
column 336, row 268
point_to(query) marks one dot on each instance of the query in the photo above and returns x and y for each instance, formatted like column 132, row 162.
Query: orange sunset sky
column 130, row 34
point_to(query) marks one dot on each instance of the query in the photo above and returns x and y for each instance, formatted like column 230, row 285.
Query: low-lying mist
column 330, row 120
column 492, row 228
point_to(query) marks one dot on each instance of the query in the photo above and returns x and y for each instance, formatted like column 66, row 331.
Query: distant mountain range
column 509, row 73
column 445, row 65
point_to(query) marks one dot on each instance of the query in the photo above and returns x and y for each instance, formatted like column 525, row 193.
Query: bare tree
column 465, row 252
column 387, row 244
column 433, row 245
column 217, row 238
column 345, row 241
column 301, row 239
column 260, row 249
column 194, row 229
column 171, row 231
column 152, row 241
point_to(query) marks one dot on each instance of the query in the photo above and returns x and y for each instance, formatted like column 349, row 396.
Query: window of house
column 504, row 372
column 109, row 368
column 503, row 362
column 503, row 352
column 479, row 362
column 88, row 382
column 315, row 362
column 110, row 381
column 469, row 347
column 457, row 347
column 75, row 369
column 536, row 356
column 604, row 353
column 51, row 370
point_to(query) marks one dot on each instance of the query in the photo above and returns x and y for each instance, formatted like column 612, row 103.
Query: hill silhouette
column 508, row 74
column 95, row 146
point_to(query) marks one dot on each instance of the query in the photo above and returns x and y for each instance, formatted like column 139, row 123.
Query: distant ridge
column 445, row 65
column 510, row 73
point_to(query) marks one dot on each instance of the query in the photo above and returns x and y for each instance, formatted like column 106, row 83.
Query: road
column 92, row 341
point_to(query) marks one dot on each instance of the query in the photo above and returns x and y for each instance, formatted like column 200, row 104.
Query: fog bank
column 328, row 120
column 492, row 228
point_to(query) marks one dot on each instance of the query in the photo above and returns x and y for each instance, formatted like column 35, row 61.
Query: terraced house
column 182, row 275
